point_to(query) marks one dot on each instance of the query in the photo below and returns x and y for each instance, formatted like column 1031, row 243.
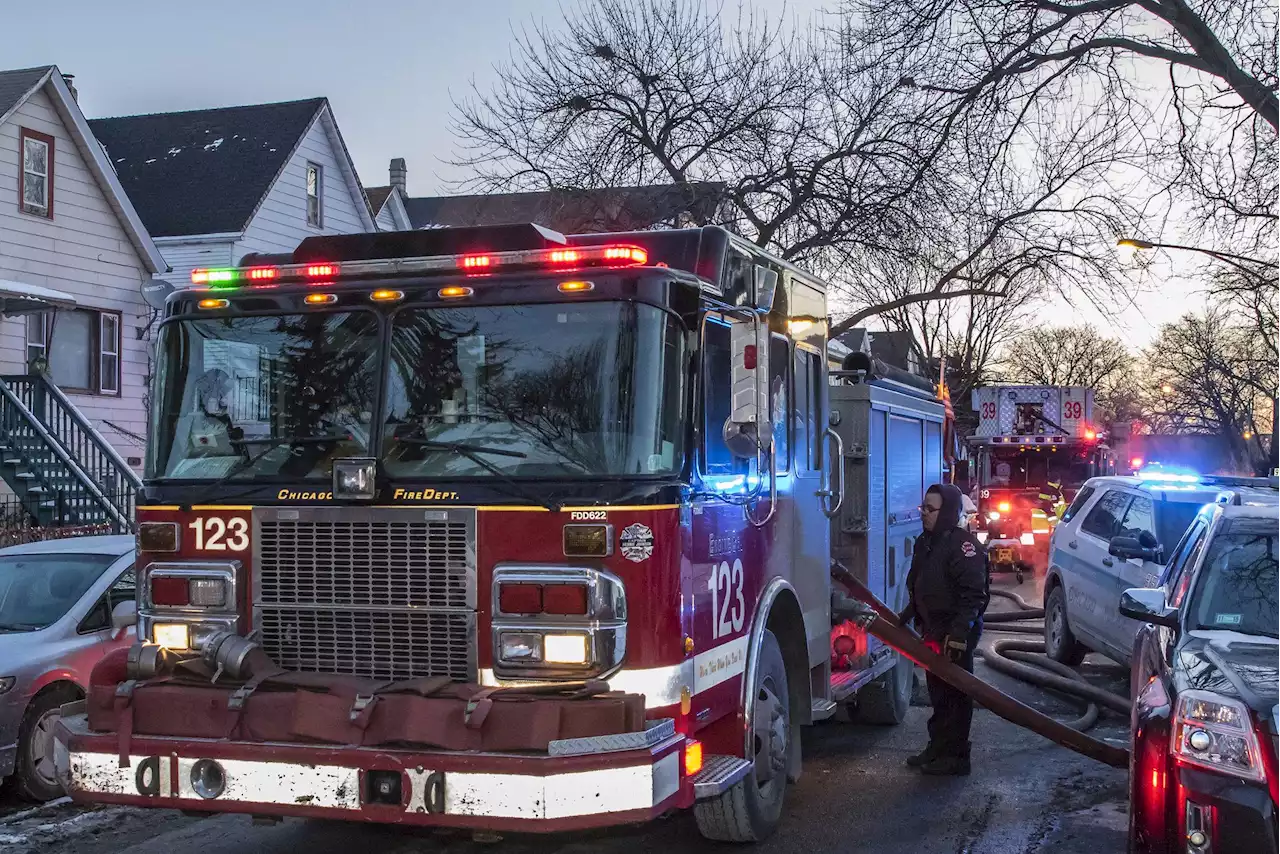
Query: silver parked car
column 64, row 604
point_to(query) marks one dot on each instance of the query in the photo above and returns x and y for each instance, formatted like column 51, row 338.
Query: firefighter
column 947, row 585
column 1051, row 500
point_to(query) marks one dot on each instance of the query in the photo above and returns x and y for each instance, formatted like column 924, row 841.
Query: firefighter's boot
column 924, row 757
column 948, row 766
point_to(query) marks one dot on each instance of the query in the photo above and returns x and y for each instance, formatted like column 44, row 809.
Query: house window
column 315, row 195
column 109, row 353
column 37, row 336
column 84, row 354
column 35, row 185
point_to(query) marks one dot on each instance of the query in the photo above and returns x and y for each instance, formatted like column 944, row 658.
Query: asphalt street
column 1025, row 795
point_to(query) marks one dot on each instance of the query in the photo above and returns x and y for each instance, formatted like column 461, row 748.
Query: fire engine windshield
column 251, row 397
column 588, row 389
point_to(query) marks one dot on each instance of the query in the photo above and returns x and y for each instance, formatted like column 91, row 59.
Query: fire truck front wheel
column 751, row 810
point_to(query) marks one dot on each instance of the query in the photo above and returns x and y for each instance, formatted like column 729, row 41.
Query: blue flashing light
column 1160, row 476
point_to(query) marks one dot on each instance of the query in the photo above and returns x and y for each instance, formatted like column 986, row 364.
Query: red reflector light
column 749, row 357
column 1135, row 463
column 520, row 599
column 564, row 599
column 475, row 262
column 321, row 271
column 170, row 591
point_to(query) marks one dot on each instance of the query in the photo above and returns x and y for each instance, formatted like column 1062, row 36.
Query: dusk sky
column 388, row 67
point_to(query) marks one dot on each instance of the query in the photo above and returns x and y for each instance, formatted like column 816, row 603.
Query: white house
column 72, row 244
column 214, row 185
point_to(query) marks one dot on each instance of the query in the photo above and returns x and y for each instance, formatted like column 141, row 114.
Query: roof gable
column 14, row 86
column 204, row 171
column 48, row 77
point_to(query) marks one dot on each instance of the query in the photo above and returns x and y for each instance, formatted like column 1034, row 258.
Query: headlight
column 521, row 647
column 7, row 683
column 172, row 635
column 993, row 515
column 564, row 649
column 1216, row 732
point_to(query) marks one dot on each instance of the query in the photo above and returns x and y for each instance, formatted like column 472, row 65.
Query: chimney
column 70, row 80
column 399, row 174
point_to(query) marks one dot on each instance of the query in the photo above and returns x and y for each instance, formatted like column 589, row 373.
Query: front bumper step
column 482, row 790
column 718, row 775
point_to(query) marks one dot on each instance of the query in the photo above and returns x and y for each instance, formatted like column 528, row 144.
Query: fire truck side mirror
column 749, row 429
column 764, row 286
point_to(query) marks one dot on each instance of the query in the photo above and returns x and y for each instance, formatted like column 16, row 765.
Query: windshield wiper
column 271, row 442
column 20, row 627
column 473, row 453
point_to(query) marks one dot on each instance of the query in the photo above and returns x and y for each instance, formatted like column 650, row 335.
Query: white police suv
column 1119, row 533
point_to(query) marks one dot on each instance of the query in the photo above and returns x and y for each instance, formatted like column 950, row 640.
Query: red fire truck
column 497, row 528
column 1031, row 442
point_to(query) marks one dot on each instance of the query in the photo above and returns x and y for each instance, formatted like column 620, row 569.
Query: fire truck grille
column 387, row 593
column 381, row 645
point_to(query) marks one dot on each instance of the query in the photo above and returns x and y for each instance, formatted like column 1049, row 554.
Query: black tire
column 33, row 774
column 751, row 809
column 885, row 700
column 1059, row 642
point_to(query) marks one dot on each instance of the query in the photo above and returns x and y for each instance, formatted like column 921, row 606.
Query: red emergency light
column 1136, row 463
column 617, row 255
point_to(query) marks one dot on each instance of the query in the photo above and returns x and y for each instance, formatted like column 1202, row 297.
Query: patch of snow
column 6, row 839
column 19, row 816
column 271, row 149
column 213, row 146
column 152, row 160
column 119, row 159
column 174, row 151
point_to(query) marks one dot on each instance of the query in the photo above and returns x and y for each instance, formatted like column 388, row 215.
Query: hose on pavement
column 1026, row 661
column 876, row 618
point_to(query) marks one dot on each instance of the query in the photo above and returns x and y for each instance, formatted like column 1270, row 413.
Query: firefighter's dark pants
column 952, row 709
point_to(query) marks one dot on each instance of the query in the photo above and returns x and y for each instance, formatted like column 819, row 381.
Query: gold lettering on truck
column 402, row 494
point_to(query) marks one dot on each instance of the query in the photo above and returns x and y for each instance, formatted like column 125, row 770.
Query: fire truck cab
column 484, row 527
column 1034, row 447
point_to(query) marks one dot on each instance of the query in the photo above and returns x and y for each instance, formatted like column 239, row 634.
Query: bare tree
column 824, row 156
column 1216, row 117
column 1208, row 374
column 1077, row 356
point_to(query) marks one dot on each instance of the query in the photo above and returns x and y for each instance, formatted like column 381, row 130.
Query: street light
column 1226, row 257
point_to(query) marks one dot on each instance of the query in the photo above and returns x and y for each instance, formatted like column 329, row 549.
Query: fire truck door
column 811, row 529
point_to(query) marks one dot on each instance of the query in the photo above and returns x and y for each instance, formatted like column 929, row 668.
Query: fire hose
column 871, row 615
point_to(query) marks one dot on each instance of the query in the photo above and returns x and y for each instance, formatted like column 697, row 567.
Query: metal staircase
column 58, row 465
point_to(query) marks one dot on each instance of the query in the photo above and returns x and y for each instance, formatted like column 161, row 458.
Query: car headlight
column 1216, row 732
column 7, row 683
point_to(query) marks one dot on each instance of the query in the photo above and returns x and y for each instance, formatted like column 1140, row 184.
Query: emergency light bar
column 472, row 264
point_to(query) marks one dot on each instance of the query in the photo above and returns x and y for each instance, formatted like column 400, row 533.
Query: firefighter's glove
column 954, row 649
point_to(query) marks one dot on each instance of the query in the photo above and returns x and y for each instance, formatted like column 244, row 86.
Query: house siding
column 386, row 221
column 281, row 221
column 84, row 251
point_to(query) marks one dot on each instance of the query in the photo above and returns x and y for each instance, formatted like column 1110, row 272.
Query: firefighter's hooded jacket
column 948, row 578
